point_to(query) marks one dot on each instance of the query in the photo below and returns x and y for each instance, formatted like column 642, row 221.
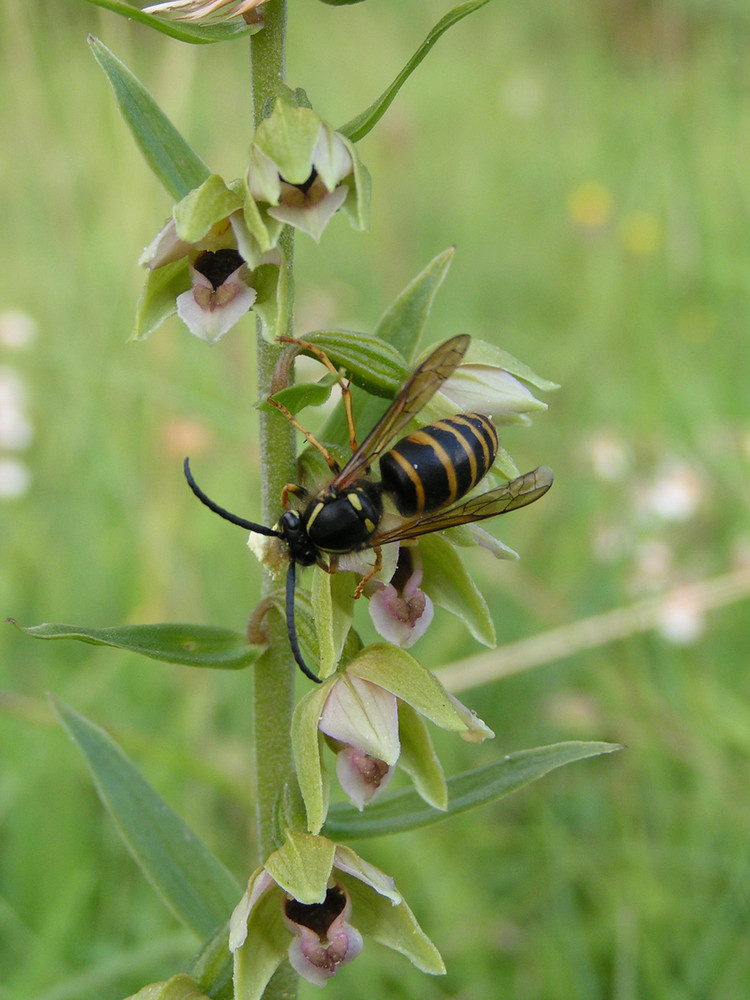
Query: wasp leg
column 344, row 385
column 291, row 625
column 311, row 439
column 292, row 489
column 371, row 573
column 331, row 566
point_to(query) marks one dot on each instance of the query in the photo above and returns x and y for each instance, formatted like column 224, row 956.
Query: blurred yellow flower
column 640, row 233
column 590, row 205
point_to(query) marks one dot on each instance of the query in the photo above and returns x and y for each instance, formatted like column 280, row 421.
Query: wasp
column 425, row 475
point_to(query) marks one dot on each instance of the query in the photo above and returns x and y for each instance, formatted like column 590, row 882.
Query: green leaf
column 189, row 878
column 158, row 298
column 400, row 326
column 361, row 125
column 302, row 394
column 198, row 34
column 191, row 645
column 211, row 968
column 372, row 363
column 173, row 161
column 405, row 810
column 404, row 320
column 449, row 584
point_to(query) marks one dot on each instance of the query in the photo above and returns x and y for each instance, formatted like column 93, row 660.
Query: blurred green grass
column 589, row 163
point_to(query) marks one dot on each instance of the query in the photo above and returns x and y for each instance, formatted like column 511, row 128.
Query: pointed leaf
column 405, row 810
column 200, row 34
column 191, row 645
column 188, row 877
column 361, row 125
column 173, row 161
column 301, row 395
column 333, row 610
column 403, row 321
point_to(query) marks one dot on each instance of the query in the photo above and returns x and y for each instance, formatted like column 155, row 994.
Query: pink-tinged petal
column 210, row 312
column 307, row 213
column 361, row 776
column 324, row 940
column 360, row 714
column 401, row 618
column 263, row 177
column 347, row 861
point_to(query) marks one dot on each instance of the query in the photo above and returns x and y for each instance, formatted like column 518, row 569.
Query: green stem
column 275, row 671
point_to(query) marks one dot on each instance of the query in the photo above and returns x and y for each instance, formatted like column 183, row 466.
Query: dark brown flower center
column 305, row 186
column 317, row 916
column 217, row 265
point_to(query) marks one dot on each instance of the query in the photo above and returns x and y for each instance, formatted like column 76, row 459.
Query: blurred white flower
column 17, row 329
column 16, row 430
column 682, row 619
column 675, row 494
column 608, row 456
column 15, row 479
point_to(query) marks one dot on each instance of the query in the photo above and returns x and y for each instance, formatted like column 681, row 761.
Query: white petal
column 199, row 311
column 362, row 715
column 311, row 219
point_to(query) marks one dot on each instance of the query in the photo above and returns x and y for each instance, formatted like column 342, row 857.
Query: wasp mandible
column 424, row 475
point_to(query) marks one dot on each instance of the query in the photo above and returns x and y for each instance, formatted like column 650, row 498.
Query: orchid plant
column 224, row 262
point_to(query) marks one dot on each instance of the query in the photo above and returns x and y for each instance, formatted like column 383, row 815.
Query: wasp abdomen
column 440, row 463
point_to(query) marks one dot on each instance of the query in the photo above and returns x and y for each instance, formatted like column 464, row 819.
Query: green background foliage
column 589, row 162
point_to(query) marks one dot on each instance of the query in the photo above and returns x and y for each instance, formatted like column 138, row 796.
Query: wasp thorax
column 343, row 522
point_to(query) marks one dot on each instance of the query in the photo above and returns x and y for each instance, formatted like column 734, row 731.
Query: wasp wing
column 517, row 493
column 420, row 388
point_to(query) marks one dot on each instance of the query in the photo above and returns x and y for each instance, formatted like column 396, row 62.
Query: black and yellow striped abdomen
column 439, row 464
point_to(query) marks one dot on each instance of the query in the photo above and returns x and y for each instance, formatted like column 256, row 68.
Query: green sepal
column 158, row 298
column 392, row 924
column 312, row 777
column 357, row 204
column 179, row 987
column 263, row 950
column 302, row 866
column 482, row 353
column 373, row 364
column 271, row 282
column 333, row 611
column 405, row 810
column 303, row 616
column 288, row 137
column 172, row 160
column 192, row 882
column 190, row 645
column 197, row 34
column 204, row 206
column 418, row 758
column 397, row 671
column 449, row 584
column 359, row 126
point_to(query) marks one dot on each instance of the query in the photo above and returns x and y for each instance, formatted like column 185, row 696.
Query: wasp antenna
column 261, row 529
column 291, row 625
